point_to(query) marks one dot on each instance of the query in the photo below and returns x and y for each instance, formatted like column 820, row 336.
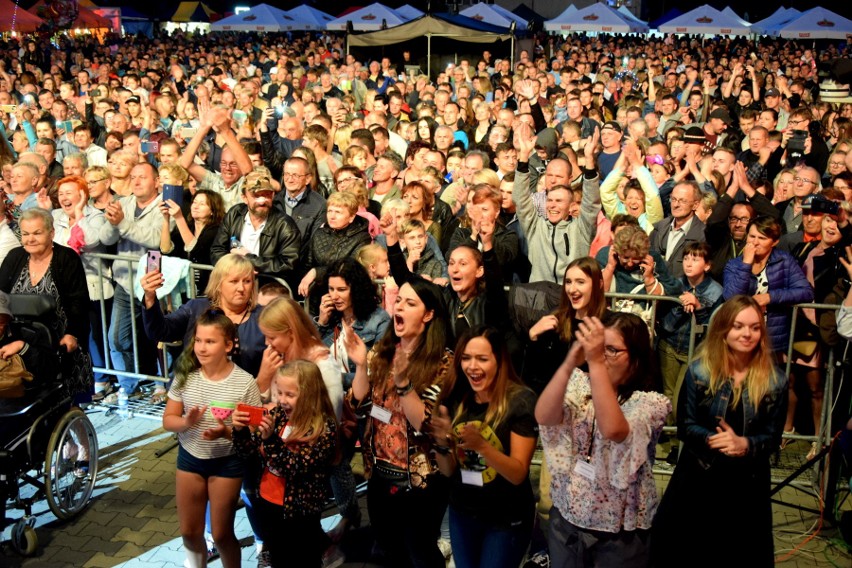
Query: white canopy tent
column 625, row 11
column 489, row 14
column 594, row 18
column 704, row 20
column 408, row 12
column 728, row 11
column 770, row 25
column 307, row 18
column 520, row 23
column 817, row 23
column 368, row 19
column 260, row 18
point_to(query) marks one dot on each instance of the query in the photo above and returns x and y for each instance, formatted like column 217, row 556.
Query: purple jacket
column 787, row 286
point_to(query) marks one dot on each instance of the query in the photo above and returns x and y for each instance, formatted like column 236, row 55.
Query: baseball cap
column 612, row 125
column 5, row 304
column 722, row 115
column 694, row 135
column 772, row 93
column 134, row 99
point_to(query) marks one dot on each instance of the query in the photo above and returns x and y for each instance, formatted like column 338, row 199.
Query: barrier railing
column 822, row 436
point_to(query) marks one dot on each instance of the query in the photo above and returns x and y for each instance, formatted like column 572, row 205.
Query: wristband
column 443, row 450
column 402, row 391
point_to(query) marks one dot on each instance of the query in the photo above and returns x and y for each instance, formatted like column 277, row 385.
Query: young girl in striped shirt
column 207, row 466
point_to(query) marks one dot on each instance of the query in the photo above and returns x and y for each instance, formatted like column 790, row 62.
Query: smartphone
column 188, row 132
column 95, row 93
column 154, row 261
column 256, row 413
column 67, row 126
column 173, row 192
column 9, row 108
column 149, row 147
column 29, row 100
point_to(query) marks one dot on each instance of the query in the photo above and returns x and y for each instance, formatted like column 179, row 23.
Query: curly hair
column 362, row 291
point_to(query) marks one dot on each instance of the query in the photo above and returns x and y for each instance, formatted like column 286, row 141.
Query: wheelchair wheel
column 71, row 465
column 24, row 538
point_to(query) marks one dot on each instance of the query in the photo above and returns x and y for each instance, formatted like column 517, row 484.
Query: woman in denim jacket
column 722, row 480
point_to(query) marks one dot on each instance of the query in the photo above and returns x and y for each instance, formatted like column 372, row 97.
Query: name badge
column 470, row 477
column 286, row 432
column 381, row 414
column 584, row 468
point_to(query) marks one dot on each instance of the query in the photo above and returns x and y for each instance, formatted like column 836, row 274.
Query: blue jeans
column 96, row 336
column 479, row 544
column 121, row 341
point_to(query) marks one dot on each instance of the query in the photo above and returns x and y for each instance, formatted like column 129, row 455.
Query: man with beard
column 265, row 235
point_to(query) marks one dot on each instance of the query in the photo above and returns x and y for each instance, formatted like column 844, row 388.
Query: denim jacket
column 699, row 411
column 675, row 325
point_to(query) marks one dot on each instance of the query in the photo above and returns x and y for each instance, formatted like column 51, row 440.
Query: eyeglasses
column 611, row 352
column 840, row 164
column 798, row 179
column 739, row 220
column 683, row 201
column 799, row 121
column 288, row 175
column 92, row 182
column 342, row 181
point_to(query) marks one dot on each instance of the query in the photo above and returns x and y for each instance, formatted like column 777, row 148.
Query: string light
column 14, row 16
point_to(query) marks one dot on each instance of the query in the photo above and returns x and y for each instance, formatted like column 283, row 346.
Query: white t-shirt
column 198, row 390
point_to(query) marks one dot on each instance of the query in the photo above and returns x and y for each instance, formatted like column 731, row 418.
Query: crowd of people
column 365, row 224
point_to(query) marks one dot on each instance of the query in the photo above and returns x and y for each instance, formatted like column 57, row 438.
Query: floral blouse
column 621, row 494
column 397, row 443
column 305, row 468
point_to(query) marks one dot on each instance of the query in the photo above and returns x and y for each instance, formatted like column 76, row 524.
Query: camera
column 819, row 204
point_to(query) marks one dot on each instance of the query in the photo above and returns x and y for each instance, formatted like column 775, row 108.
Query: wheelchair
column 48, row 447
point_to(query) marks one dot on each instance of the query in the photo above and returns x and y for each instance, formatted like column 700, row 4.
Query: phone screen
column 155, row 260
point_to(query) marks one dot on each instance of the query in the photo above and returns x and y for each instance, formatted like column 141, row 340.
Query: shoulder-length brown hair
column 506, row 382
column 597, row 303
column 428, row 355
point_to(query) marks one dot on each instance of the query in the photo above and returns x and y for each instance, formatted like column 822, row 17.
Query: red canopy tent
column 24, row 22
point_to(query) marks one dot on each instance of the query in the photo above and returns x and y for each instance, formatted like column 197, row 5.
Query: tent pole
column 512, row 53
column 429, row 56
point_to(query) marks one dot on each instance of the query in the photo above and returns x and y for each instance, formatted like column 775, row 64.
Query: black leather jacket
column 279, row 241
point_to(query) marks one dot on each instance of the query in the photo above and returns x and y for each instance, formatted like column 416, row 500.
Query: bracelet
column 443, row 450
column 402, row 391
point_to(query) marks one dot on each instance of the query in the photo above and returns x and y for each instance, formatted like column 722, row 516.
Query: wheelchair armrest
column 27, row 306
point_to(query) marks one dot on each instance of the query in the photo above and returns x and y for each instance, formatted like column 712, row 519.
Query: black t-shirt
column 498, row 501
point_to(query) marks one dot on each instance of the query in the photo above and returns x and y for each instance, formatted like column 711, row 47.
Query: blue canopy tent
column 135, row 22
column 670, row 15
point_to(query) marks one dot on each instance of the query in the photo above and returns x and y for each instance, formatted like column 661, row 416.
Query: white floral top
column 622, row 494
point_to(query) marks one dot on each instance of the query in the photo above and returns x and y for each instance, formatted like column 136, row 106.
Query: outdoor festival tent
column 669, row 15
column 16, row 19
column 817, row 23
column 490, row 14
column 193, row 12
column 594, row 18
column 438, row 26
column 368, row 19
column 729, row 12
column 769, row 26
column 625, row 11
column 308, row 18
column 704, row 20
column 260, row 18
column 530, row 15
column 408, row 13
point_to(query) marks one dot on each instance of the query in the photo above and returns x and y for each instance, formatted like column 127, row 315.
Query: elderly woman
column 343, row 233
column 83, row 228
column 43, row 267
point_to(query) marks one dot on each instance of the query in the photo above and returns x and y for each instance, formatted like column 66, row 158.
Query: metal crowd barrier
column 823, row 437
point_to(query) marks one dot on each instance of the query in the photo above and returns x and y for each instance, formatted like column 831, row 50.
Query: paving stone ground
column 131, row 521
